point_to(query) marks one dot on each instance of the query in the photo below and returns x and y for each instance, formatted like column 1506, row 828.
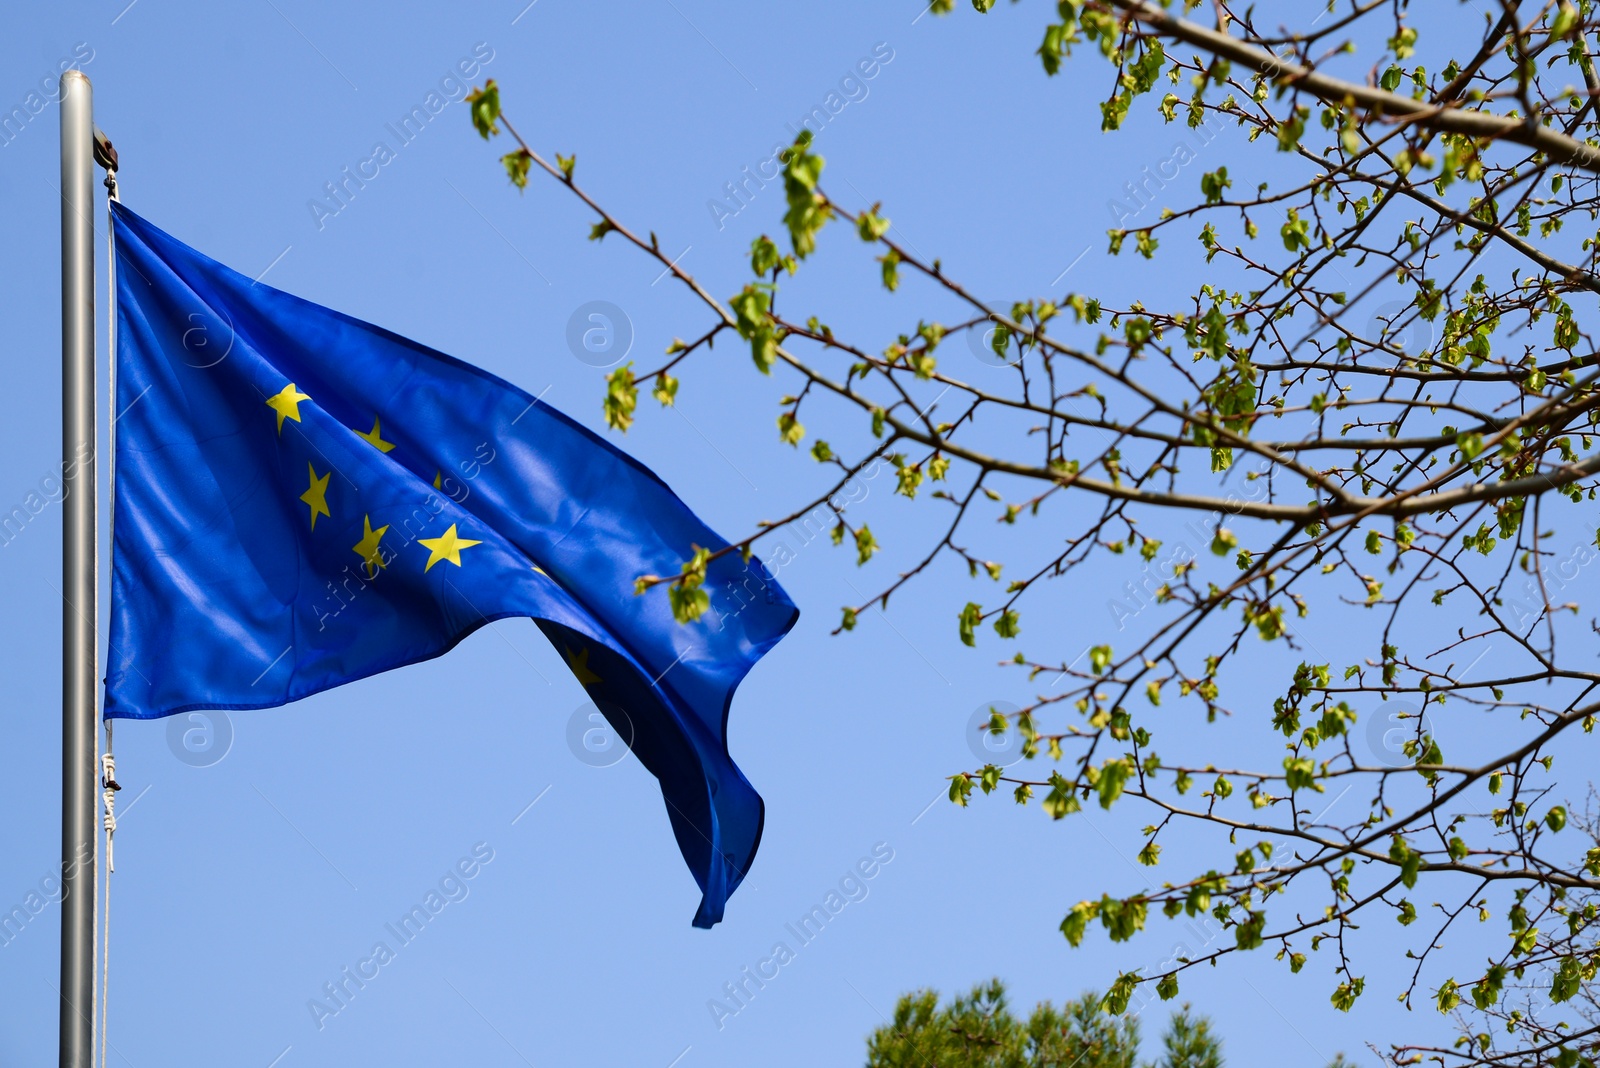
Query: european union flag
column 303, row 499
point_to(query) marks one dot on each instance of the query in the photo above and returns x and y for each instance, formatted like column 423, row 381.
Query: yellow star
column 367, row 547
column 317, row 495
column 437, row 475
column 375, row 438
column 286, row 402
column 580, row 666
column 445, row 547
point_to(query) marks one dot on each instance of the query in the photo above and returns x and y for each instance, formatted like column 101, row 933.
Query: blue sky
column 246, row 884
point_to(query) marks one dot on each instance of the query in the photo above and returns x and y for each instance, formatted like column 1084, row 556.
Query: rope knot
column 108, row 780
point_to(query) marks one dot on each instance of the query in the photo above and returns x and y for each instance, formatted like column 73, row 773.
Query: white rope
column 108, row 762
column 108, row 794
column 100, row 896
column 108, row 779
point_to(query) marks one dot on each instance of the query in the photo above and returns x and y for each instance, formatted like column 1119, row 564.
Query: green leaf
column 1007, row 624
column 1296, row 232
column 484, row 105
column 1448, row 996
column 1291, row 129
column 1567, row 980
column 689, row 599
column 754, row 323
column 1487, row 990
column 1116, row 1000
column 1248, row 935
column 808, row 209
column 1410, row 861
column 688, row 603
column 891, row 270
column 907, row 478
column 1566, row 18
column 1300, row 773
column 1062, row 801
column 1053, row 47
column 1213, row 185
column 1403, row 44
column 517, row 164
column 1268, row 620
column 870, row 225
column 1344, row 997
column 1429, row 756
column 1000, row 339
column 622, row 397
column 960, row 789
column 970, row 616
column 764, row 256
column 665, row 390
column 1113, row 774
column 1076, row 922
column 866, row 545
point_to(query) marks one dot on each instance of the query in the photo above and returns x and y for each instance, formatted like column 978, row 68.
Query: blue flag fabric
column 303, row 499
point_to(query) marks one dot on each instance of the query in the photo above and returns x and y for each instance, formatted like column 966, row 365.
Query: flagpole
column 78, row 559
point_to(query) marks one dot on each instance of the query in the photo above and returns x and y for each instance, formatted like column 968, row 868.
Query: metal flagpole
column 78, row 566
